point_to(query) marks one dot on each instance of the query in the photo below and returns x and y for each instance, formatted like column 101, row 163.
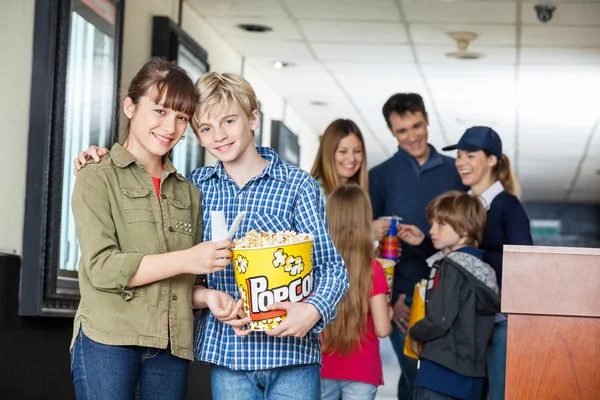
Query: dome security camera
column 544, row 12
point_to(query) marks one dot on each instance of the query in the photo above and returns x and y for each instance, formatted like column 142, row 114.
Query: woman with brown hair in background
column 341, row 159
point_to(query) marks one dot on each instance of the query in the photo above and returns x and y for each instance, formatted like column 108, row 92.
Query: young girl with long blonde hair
column 350, row 345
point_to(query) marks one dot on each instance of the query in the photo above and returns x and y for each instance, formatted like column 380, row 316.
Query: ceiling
column 538, row 84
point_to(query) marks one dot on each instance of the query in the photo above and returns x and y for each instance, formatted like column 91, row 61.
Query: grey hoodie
column 460, row 312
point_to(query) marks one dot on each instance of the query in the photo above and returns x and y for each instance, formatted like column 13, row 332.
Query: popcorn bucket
column 388, row 269
column 272, row 274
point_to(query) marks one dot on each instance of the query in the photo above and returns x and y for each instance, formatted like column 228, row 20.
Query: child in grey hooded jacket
column 460, row 303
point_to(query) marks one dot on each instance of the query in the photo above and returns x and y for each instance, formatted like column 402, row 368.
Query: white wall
column 15, row 81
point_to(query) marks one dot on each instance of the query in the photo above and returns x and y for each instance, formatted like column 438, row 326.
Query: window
column 73, row 105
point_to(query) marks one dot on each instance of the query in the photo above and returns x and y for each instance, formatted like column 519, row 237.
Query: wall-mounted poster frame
column 170, row 42
column 285, row 143
column 76, row 68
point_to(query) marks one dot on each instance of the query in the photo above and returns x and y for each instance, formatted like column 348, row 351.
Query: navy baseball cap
column 479, row 138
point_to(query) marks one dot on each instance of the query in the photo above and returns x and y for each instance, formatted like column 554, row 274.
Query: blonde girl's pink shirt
column 364, row 364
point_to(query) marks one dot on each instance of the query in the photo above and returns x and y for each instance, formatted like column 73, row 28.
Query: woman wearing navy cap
column 487, row 172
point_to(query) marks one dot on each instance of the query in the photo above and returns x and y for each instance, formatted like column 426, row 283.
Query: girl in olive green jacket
column 139, row 226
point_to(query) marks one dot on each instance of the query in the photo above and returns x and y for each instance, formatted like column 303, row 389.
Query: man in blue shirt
column 403, row 186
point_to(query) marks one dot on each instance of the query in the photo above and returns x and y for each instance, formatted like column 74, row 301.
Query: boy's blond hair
column 220, row 93
column 463, row 212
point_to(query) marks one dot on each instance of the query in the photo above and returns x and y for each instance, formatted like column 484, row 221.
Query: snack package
column 272, row 267
column 417, row 313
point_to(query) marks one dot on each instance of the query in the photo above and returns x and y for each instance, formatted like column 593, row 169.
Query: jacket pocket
column 136, row 203
column 181, row 215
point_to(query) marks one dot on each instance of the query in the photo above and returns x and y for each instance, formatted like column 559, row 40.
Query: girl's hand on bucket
column 301, row 318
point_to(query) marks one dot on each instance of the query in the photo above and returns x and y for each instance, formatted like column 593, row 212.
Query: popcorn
column 254, row 239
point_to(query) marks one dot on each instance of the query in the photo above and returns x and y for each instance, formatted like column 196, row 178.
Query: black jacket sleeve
column 443, row 306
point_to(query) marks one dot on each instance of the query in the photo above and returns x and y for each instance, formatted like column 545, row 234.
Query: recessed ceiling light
column 255, row 28
column 318, row 103
column 282, row 64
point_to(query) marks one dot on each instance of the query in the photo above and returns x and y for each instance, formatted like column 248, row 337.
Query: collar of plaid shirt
column 282, row 197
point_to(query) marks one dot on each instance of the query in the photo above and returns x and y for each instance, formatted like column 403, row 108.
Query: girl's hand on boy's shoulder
column 93, row 152
column 301, row 318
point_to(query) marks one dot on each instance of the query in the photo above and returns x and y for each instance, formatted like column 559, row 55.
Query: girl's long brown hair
column 324, row 166
column 349, row 217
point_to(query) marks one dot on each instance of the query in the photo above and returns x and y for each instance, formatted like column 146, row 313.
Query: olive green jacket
column 119, row 219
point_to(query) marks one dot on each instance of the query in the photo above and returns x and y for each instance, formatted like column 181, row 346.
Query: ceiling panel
column 579, row 14
column 256, row 8
column 353, row 31
column 228, row 27
column 290, row 84
column 477, row 13
column 560, row 36
column 304, row 68
column 378, row 10
column 487, row 34
column 361, row 70
column 584, row 197
column 276, row 50
column 380, row 87
column 559, row 56
column 367, row 53
column 492, row 55
column 470, row 70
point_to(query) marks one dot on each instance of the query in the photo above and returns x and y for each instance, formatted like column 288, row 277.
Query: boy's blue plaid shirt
column 282, row 197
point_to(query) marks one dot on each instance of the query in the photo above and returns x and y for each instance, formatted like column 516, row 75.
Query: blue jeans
column 298, row 382
column 106, row 372
column 422, row 393
column 407, row 365
column 333, row 389
column 496, row 367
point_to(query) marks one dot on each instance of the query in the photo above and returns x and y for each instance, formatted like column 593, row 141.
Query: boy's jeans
column 333, row 389
column 299, row 382
column 407, row 365
column 496, row 367
column 106, row 372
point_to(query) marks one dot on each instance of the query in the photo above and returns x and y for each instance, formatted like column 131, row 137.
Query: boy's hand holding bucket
column 300, row 318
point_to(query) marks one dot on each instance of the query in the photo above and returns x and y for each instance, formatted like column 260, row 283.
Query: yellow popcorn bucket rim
column 310, row 239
